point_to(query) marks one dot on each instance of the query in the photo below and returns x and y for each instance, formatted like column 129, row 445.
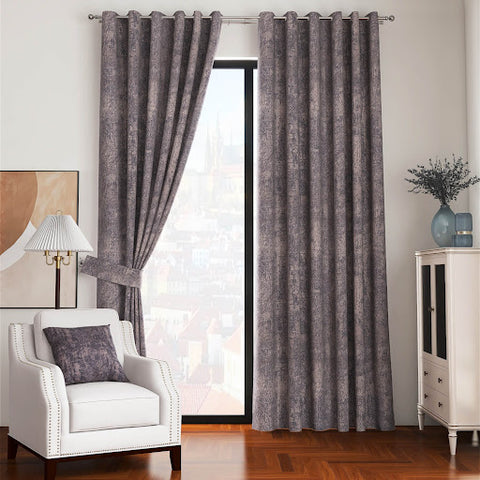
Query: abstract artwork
column 26, row 198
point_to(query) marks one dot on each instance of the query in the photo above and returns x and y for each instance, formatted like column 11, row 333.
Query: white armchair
column 59, row 422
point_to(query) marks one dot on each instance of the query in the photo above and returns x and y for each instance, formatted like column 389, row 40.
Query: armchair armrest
column 38, row 399
column 155, row 375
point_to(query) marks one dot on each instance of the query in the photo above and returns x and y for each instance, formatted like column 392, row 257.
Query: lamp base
column 57, row 287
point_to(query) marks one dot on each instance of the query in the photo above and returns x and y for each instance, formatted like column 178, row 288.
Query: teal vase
column 443, row 227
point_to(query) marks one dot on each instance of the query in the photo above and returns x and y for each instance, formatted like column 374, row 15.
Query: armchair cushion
column 109, row 405
column 85, row 354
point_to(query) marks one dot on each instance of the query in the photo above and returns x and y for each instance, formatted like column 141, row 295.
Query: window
column 198, row 285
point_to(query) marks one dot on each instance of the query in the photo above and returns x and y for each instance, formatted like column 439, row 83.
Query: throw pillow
column 85, row 354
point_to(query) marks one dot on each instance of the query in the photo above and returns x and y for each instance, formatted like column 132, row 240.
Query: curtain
column 153, row 79
column 322, row 356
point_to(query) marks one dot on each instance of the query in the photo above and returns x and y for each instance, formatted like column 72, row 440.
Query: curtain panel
column 322, row 356
column 154, row 75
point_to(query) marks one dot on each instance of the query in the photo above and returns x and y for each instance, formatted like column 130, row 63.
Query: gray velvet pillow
column 85, row 354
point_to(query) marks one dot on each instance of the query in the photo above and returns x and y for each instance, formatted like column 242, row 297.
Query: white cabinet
column 448, row 332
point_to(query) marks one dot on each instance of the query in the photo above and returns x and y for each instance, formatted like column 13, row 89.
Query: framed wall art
column 26, row 198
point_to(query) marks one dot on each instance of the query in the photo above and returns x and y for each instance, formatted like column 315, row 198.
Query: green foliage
column 442, row 179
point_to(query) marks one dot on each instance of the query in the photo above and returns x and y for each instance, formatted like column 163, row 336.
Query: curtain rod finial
column 391, row 18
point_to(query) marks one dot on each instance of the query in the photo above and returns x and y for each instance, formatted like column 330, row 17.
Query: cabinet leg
column 421, row 419
column 475, row 438
column 12, row 448
column 452, row 440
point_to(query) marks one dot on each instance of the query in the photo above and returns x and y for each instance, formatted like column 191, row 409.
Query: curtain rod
column 245, row 20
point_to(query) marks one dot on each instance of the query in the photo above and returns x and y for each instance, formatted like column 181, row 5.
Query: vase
column 443, row 226
column 463, row 228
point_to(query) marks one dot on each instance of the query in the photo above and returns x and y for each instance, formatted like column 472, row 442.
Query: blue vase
column 463, row 227
column 443, row 227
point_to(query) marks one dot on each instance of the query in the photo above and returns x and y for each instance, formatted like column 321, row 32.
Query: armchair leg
column 12, row 448
column 176, row 457
column 50, row 469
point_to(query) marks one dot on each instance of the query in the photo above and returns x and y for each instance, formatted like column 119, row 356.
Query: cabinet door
column 440, row 318
column 426, row 308
column 433, row 310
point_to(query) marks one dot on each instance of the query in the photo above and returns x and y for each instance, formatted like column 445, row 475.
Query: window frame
column 248, row 66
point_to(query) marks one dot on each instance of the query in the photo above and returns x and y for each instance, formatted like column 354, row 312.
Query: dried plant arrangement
column 443, row 179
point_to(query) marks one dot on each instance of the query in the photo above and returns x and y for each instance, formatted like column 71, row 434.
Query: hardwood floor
column 236, row 452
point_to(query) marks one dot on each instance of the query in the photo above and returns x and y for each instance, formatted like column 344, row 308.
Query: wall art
column 26, row 198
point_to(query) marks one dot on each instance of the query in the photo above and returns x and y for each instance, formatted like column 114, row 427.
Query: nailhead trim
column 21, row 352
column 135, row 447
column 173, row 392
column 128, row 339
column 160, row 364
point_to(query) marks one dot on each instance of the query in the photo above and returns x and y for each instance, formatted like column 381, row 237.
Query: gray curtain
column 322, row 355
column 153, row 81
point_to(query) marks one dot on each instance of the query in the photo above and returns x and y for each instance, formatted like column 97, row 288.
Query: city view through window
column 193, row 285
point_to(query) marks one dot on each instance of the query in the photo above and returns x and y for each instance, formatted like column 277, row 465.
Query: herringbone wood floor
column 236, row 452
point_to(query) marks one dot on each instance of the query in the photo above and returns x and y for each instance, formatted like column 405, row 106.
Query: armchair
column 59, row 422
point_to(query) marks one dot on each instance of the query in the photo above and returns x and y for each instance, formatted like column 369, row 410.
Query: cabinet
column 448, row 330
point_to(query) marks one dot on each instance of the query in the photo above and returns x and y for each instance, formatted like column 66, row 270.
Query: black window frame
column 248, row 66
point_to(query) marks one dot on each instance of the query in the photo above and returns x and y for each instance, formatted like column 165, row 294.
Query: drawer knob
column 425, row 395
column 425, row 373
column 440, row 404
column 439, row 380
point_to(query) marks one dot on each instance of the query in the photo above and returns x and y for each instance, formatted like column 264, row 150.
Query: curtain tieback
column 112, row 272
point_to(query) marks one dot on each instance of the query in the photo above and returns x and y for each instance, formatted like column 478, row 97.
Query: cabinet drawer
column 436, row 402
column 435, row 377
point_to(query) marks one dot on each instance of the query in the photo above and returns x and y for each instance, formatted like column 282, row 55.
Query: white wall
column 472, row 44
column 50, row 83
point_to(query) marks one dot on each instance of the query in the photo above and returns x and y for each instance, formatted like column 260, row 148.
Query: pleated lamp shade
column 58, row 233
